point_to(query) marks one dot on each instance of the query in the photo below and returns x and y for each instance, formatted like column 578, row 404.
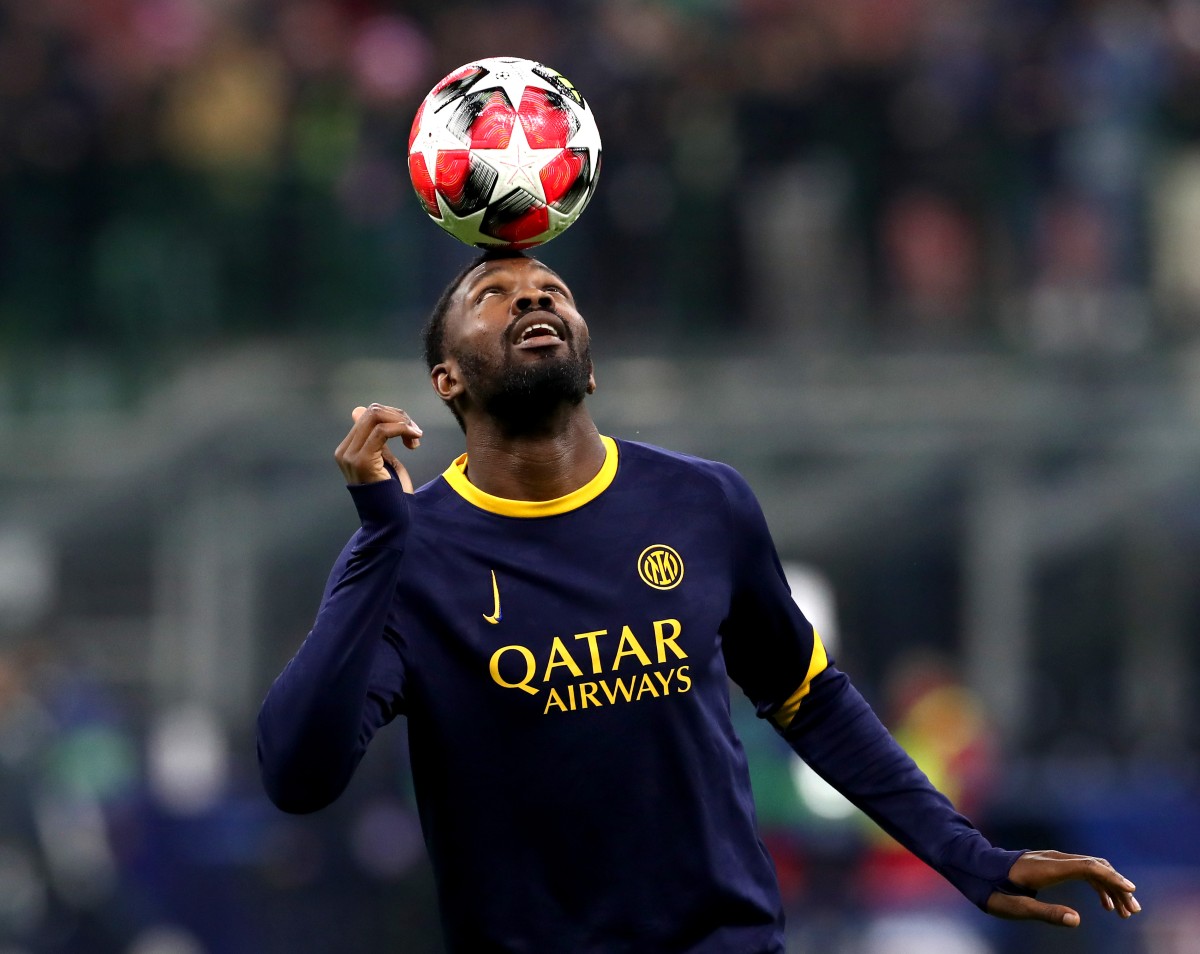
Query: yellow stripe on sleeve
column 818, row 663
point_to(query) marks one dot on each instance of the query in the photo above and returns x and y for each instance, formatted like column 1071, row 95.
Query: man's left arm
column 837, row 733
column 772, row 652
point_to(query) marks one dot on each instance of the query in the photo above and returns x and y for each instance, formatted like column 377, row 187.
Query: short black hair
column 433, row 336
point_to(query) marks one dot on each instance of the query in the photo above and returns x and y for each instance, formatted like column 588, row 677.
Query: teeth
column 539, row 328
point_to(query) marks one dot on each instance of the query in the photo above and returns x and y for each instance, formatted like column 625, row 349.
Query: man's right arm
column 347, row 678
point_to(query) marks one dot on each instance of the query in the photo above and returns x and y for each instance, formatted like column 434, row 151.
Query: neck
column 537, row 466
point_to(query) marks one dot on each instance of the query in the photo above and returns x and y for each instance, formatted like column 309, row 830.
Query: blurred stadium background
column 926, row 271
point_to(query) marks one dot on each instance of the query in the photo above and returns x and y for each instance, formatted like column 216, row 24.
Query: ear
column 446, row 381
column 591, row 385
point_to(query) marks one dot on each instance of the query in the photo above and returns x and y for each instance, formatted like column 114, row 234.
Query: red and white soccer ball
column 504, row 152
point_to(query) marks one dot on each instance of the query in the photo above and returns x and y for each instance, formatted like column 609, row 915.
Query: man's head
column 506, row 341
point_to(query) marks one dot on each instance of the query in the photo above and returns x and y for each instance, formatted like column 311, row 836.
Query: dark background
column 923, row 270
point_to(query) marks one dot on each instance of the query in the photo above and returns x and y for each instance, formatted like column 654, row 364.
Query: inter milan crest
column 660, row 566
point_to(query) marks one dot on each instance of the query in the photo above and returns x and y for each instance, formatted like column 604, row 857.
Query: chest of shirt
column 558, row 616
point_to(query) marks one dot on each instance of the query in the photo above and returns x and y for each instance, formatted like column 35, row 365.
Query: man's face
column 516, row 344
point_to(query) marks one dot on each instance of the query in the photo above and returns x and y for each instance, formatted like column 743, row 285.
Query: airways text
column 516, row 667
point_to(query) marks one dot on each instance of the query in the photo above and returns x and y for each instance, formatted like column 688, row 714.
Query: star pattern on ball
column 511, row 81
column 432, row 140
column 519, row 164
column 467, row 227
column 503, row 153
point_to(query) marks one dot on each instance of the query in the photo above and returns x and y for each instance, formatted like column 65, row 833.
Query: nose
column 526, row 302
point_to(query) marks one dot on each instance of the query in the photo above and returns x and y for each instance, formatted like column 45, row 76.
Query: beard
column 525, row 398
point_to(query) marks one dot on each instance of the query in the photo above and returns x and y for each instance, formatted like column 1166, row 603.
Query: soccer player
column 557, row 616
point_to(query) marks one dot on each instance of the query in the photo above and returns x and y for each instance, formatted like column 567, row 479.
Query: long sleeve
column 346, row 680
column 772, row 652
column 837, row 733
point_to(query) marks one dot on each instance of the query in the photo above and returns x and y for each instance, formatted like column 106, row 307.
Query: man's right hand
column 363, row 454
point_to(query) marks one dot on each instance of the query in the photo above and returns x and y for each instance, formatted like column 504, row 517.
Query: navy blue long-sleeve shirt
column 563, row 669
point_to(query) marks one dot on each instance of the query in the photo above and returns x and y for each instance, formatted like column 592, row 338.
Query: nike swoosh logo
column 495, row 617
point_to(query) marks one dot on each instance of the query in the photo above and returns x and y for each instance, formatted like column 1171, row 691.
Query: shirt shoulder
column 437, row 492
column 434, row 506
column 648, row 462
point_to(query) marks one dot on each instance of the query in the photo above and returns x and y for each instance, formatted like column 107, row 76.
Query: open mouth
column 539, row 329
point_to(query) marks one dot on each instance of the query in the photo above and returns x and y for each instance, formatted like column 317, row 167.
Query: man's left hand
column 1041, row 869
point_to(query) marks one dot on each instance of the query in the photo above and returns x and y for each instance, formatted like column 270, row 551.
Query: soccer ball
column 504, row 152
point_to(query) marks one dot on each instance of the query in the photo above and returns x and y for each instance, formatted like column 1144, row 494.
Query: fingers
column 1115, row 890
column 363, row 455
column 1041, row 869
column 1117, row 898
column 385, row 421
column 1019, row 908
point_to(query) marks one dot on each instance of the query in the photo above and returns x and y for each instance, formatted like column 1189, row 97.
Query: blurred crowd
column 875, row 174
column 128, row 831
column 927, row 173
